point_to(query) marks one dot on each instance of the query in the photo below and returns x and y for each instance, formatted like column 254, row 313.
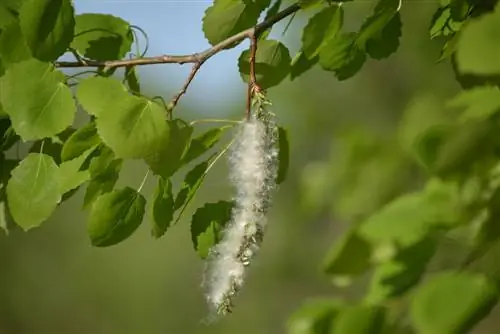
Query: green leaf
column 133, row 127
column 132, row 79
column 442, row 23
column 360, row 319
column 80, row 141
column 168, row 158
column 162, row 208
column 301, row 64
column 7, row 16
column 407, row 220
column 459, row 9
column 102, row 36
column 320, row 29
column 468, row 80
column 192, row 183
column 48, row 27
column 202, row 144
column 3, row 218
column 395, row 277
column 465, row 144
column 379, row 34
column 52, row 146
column 39, row 104
column 387, row 42
column 104, row 171
column 283, row 155
column 314, row 317
column 478, row 49
column 452, row 302
column 115, row 216
column 8, row 136
column 272, row 63
column 96, row 93
column 350, row 256
column 207, row 225
column 342, row 56
column 271, row 12
column 424, row 126
column 71, row 175
column 13, row 46
column 481, row 102
column 228, row 17
column 33, row 190
column 306, row 4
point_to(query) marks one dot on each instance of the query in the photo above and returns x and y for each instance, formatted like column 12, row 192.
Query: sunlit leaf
column 33, row 191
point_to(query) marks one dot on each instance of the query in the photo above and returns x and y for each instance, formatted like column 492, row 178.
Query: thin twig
column 184, row 59
column 184, row 88
column 197, row 59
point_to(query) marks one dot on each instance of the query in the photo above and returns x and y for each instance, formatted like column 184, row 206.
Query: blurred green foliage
column 392, row 190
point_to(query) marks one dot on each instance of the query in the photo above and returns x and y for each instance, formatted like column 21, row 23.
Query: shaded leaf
column 13, row 46
column 442, row 23
column 481, row 102
column 80, row 141
column 272, row 63
column 33, row 190
column 452, row 303
column 387, row 42
column 321, row 28
column 379, row 34
column 104, row 171
column 168, row 158
column 162, row 208
column 342, row 56
column 283, row 155
column 360, row 319
column 48, row 27
column 207, row 225
column 71, row 174
column 350, row 256
column 316, row 316
column 52, row 146
column 132, row 79
column 301, row 64
column 203, row 143
column 271, row 12
column 192, row 182
column 39, row 104
column 102, row 36
column 115, row 216
column 8, row 136
column 404, row 271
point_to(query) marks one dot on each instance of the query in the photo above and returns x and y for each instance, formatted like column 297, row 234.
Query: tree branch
column 197, row 59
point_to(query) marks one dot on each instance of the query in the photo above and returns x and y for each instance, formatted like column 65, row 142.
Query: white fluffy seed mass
column 253, row 168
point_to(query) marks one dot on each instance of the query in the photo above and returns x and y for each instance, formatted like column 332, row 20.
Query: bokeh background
column 53, row 282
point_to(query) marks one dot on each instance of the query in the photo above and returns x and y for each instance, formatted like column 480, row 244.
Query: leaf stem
column 217, row 157
column 143, row 181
